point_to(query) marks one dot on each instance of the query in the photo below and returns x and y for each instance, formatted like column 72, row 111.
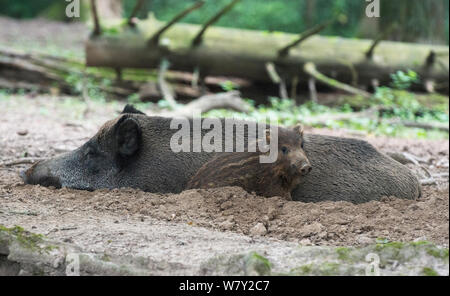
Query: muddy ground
column 196, row 223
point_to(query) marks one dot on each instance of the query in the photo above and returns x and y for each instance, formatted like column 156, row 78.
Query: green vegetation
column 27, row 240
column 343, row 253
column 438, row 253
column 429, row 271
column 255, row 262
column 425, row 21
column 388, row 108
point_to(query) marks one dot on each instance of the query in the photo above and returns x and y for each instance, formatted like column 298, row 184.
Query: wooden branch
column 164, row 87
column 381, row 36
column 273, row 74
column 406, row 158
column 305, row 35
column 228, row 100
column 135, row 11
column 294, row 84
column 199, row 37
column 97, row 30
column 283, row 90
column 431, row 58
column 427, row 126
column 155, row 38
column 312, row 89
column 29, row 160
column 310, row 68
column 276, row 78
column 352, row 69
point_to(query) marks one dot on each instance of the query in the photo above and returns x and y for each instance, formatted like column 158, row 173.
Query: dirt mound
column 233, row 209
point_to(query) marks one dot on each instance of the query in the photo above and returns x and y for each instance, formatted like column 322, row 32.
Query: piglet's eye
column 284, row 150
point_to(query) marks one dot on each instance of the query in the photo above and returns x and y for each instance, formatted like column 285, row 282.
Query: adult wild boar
column 134, row 151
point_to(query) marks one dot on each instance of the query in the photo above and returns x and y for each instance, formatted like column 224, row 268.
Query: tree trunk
column 245, row 54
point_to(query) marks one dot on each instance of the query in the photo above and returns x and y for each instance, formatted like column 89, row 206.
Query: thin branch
column 312, row 89
column 97, row 30
column 199, row 37
column 382, row 36
column 303, row 36
column 352, row 69
column 275, row 77
column 431, row 58
column 310, row 69
column 283, row 89
column 270, row 68
column 164, row 87
column 20, row 161
column 135, row 11
column 155, row 38
column 294, row 84
column 427, row 126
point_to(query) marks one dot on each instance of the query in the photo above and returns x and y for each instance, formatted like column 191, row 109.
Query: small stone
column 227, row 225
column 311, row 229
column 364, row 240
column 226, row 205
column 421, row 239
column 258, row 229
column 305, row 242
column 22, row 132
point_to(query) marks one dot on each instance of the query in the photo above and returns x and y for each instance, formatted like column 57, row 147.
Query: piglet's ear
column 299, row 129
column 128, row 136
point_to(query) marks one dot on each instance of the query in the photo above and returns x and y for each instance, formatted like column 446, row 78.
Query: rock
column 364, row 240
column 227, row 225
column 258, row 229
column 311, row 229
column 22, row 132
column 305, row 242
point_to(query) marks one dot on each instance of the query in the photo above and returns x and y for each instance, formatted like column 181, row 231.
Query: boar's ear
column 131, row 109
column 128, row 136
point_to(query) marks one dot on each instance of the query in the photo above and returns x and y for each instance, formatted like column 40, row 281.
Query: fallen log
column 245, row 54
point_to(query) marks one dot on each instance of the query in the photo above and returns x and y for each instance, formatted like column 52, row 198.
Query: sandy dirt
column 45, row 126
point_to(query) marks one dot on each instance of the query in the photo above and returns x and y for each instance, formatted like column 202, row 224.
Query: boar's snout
column 40, row 174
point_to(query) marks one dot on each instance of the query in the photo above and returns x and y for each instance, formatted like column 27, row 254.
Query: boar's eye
column 90, row 153
column 284, row 150
column 302, row 144
column 91, row 157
